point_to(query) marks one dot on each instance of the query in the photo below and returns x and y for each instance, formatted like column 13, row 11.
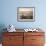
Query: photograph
column 25, row 14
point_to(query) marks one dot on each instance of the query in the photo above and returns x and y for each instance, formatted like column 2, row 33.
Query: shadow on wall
column 2, row 26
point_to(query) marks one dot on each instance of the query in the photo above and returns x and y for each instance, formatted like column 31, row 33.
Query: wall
column 8, row 13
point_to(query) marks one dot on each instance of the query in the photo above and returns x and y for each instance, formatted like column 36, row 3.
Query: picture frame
column 26, row 14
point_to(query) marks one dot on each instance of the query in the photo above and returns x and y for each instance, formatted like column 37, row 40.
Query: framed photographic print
column 26, row 14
